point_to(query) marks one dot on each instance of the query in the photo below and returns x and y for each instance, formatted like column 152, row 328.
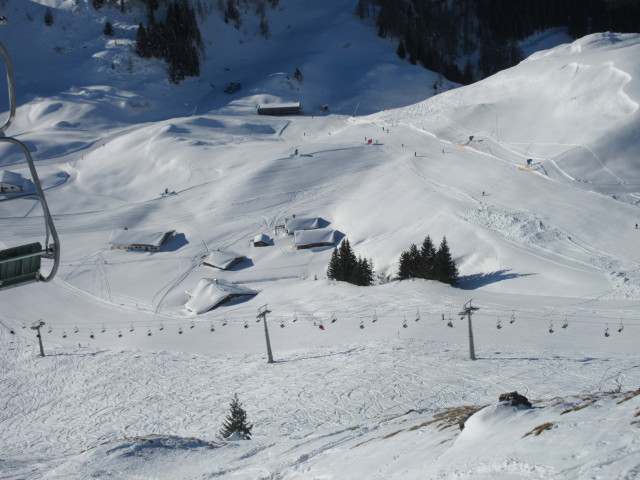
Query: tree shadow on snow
column 176, row 242
column 477, row 280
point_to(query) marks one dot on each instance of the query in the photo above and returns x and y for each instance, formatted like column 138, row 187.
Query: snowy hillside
column 134, row 385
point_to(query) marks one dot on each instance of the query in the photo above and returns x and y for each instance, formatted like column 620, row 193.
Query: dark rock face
column 514, row 399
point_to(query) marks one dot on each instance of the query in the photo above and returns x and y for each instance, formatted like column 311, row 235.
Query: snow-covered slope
column 549, row 246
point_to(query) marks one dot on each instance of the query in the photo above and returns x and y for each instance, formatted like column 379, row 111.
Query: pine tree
column 236, row 421
column 143, row 45
column 108, row 29
column 334, row 272
column 404, row 267
column 347, row 260
column 427, row 259
column 297, row 74
column 345, row 267
column 98, row 4
column 444, row 265
column 401, row 51
column 48, row 17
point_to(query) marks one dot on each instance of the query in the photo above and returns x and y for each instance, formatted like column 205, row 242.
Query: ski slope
column 135, row 386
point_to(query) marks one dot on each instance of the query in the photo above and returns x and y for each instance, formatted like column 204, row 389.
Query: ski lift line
column 431, row 317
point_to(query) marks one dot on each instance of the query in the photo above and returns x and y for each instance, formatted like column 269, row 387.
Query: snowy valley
column 532, row 175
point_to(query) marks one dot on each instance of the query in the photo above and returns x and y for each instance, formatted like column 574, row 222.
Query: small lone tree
column 236, row 421
column 108, row 29
column 48, row 17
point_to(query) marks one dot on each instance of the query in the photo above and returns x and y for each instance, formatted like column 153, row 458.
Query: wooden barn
column 223, row 259
column 12, row 182
column 141, row 240
column 321, row 237
column 300, row 223
column 262, row 240
column 278, row 109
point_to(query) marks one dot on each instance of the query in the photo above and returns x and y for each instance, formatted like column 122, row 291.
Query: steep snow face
column 571, row 107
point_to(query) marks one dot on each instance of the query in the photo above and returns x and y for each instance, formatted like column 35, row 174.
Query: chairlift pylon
column 20, row 265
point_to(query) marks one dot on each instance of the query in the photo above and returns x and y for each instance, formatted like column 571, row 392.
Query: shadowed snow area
column 134, row 385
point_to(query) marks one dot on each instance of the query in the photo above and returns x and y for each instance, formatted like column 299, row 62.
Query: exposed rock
column 514, row 399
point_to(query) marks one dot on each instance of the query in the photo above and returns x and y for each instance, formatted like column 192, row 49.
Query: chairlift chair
column 20, row 265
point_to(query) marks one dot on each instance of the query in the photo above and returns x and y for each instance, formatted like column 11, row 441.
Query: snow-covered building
column 12, row 182
column 211, row 292
column 262, row 240
column 223, row 259
column 293, row 108
column 146, row 240
column 300, row 223
column 314, row 238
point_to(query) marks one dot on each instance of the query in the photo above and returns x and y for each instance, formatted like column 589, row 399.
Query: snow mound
column 156, row 456
column 520, row 227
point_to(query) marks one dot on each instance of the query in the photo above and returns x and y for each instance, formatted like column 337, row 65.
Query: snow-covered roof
column 262, row 238
column 281, row 105
column 131, row 238
column 300, row 223
column 210, row 292
column 222, row 259
column 13, row 178
column 320, row 236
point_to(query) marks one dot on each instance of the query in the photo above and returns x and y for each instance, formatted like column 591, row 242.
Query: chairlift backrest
column 20, row 265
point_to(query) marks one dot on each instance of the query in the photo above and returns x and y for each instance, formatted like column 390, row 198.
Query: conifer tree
column 108, row 29
column 404, row 268
column 48, row 17
column 427, row 259
column 334, row 272
column 143, row 45
column 236, row 421
column 345, row 267
column 444, row 265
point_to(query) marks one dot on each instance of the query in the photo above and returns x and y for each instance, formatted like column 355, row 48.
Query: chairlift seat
column 20, row 265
